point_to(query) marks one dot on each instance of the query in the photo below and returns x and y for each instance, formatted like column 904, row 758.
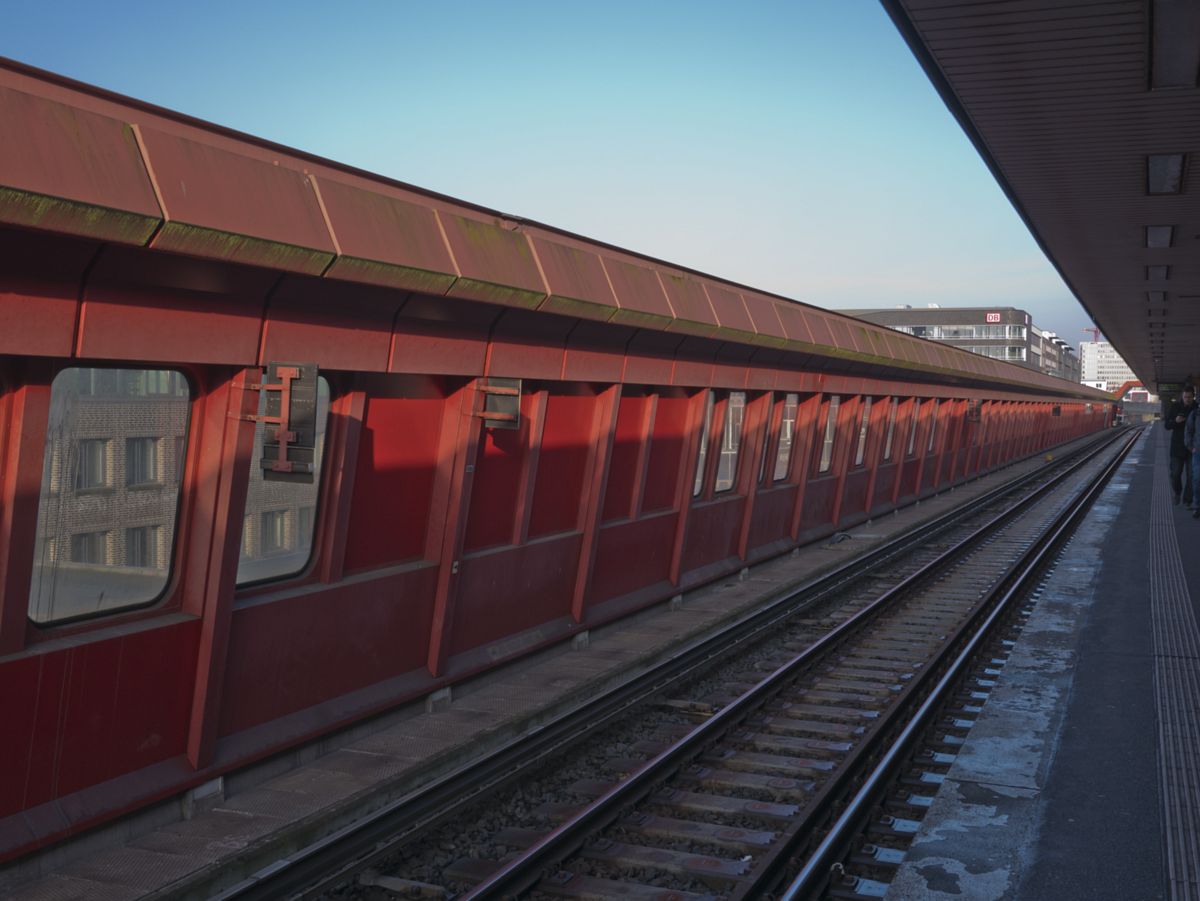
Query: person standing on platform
column 1181, row 451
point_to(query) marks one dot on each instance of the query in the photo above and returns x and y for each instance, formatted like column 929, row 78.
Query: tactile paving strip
column 1177, row 696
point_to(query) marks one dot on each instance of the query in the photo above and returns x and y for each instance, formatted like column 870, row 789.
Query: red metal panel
column 690, row 303
column 842, row 336
column 227, row 206
column 509, row 590
column 27, row 408
column 528, row 345
column 665, row 465
column 794, row 322
column 820, row 495
column 602, row 436
column 772, row 512
column 818, row 327
column 127, row 705
column 731, row 312
column 295, row 652
column 72, row 171
column 20, row 698
column 496, row 483
column 632, row 555
column 712, row 531
column 575, row 279
column 225, row 474
column 562, row 463
column 854, row 492
column 145, row 306
column 40, row 281
column 443, row 337
column 595, row 352
column 694, row 363
column 764, row 314
column 41, row 770
column 396, row 469
column 497, row 263
column 639, row 293
column 650, row 358
column 631, row 428
column 383, row 239
column 335, row 326
column 731, row 367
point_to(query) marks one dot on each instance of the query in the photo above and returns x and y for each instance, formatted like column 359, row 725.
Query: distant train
column 480, row 437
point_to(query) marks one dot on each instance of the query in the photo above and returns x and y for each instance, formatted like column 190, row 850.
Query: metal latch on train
column 288, row 411
column 501, row 404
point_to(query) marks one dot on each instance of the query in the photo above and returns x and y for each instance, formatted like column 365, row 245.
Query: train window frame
column 933, row 421
column 255, row 520
column 829, row 438
column 864, row 427
column 56, row 486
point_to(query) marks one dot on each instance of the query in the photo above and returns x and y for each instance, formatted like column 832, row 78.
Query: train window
column 891, row 428
column 703, row 454
column 861, row 451
column 830, row 432
column 731, row 440
column 109, row 496
column 277, row 528
column 912, row 427
column 787, row 436
column 932, row 426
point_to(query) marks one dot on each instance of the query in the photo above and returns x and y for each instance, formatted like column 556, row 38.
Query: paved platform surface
column 1079, row 779
column 256, row 818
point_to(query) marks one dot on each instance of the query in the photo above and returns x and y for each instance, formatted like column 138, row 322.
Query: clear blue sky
column 793, row 146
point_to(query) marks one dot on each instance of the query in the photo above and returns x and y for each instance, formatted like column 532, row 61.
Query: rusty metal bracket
column 279, row 428
column 501, row 407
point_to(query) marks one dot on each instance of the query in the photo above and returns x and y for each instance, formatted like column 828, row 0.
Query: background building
column 1103, row 367
column 1003, row 333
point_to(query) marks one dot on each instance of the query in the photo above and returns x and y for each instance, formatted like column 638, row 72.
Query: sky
column 795, row 147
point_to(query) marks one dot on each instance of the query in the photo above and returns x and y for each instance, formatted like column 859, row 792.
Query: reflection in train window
column 731, row 440
column 703, row 454
column 861, row 450
column 277, row 531
column 787, row 433
column 891, row 428
column 912, row 427
column 109, row 497
column 830, row 433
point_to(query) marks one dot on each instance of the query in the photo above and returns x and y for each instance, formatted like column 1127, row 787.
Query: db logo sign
column 993, row 317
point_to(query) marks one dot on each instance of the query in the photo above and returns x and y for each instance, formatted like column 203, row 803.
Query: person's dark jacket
column 1178, row 448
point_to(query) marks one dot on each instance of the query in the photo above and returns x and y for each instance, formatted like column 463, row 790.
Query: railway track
column 733, row 783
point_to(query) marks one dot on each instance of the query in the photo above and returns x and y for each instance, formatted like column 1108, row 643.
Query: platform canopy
column 1088, row 114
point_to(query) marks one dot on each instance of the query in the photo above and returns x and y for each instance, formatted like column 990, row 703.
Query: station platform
column 1081, row 777
column 198, row 846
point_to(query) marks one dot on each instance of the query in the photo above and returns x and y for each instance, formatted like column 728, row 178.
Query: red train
column 516, row 434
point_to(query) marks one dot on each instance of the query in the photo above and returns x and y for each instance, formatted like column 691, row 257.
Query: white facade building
column 1100, row 362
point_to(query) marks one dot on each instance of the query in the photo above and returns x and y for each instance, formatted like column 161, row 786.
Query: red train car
column 517, row 434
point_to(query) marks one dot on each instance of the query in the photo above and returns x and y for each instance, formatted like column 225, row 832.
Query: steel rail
column 523, row 870
column 848, row 823
column 325, row 861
